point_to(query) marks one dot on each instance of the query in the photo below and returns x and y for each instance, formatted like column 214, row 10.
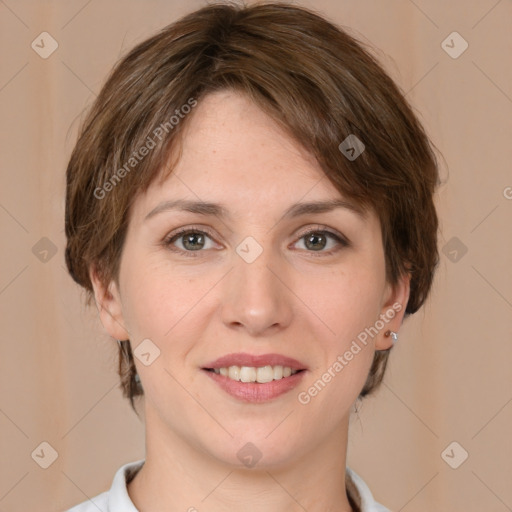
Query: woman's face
column 253, row 281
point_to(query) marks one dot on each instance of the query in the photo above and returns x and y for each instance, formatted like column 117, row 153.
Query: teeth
column 252, row 374
column 234, row 372
column 248, row 374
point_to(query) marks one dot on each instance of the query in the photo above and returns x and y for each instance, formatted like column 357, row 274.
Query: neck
column 177, row 476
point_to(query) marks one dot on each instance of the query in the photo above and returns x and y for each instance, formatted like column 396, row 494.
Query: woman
column 250, row 204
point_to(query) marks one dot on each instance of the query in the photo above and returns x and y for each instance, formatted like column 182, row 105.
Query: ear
column 108, row 302
column 393, row 310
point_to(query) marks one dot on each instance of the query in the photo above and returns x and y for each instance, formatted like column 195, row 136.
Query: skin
column 294, row 299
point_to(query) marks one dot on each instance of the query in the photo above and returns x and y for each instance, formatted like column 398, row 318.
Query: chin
column 255, row 450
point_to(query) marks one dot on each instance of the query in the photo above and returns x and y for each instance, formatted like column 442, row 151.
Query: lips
column 245, row 359
column 254, row 392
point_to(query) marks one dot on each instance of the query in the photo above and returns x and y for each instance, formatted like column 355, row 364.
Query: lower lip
column 255, row 392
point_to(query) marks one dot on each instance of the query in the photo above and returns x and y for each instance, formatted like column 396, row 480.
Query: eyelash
column 168, row 241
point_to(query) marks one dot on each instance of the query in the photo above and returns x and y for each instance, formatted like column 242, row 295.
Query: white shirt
column 117, row 498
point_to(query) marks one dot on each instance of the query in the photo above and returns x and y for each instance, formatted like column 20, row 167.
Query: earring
column 394, row 336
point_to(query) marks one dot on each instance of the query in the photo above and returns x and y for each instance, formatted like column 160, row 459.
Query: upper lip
column 245, row 359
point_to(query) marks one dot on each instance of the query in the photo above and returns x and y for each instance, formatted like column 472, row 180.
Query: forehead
column 234, row 153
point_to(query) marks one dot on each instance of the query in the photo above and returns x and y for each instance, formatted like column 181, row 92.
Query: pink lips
column 254, row 391
column 244, row 359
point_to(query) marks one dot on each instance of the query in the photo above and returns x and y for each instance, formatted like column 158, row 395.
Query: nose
column 256, row 298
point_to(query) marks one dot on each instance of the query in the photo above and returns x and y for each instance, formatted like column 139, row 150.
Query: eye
column 191, row 239
column 315, row 240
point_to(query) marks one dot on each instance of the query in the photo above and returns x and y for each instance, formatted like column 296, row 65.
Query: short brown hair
column 314, row 79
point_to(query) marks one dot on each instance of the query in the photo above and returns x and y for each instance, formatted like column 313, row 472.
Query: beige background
column 450, row 376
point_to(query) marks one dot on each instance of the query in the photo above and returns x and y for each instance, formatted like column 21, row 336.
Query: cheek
column 159, row 303
column 347, row 303
column 347, row 300
column 346, row 308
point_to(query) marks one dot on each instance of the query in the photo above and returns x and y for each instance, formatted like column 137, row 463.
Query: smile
column 261, row 374
column 252, row 391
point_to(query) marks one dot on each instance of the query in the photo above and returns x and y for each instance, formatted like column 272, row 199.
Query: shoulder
column 116, row 499
column 361, row 493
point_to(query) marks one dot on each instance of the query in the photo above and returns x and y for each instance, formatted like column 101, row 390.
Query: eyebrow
column 219, row 210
